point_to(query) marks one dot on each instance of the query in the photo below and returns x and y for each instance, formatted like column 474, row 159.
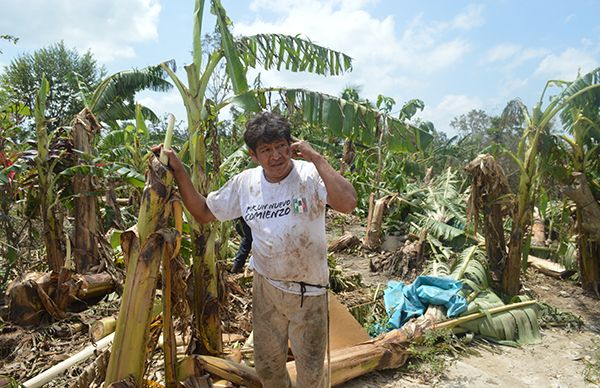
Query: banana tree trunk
column 53, row 232
column 32, row 298
column 347, row 156
column 511, row 278
column 207, row 322
column 373, row 235
column 50, row 209
column 588, row 231
column 85, row 246
column 144, row 257
column 208, row 331
column 488, row 186
column 128, row 355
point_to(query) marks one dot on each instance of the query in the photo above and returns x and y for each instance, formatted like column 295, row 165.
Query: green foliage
column 427, row 356
column 114, row 98
column 65, row 70
column 344, row 118
column 276, row 51
column 512, row 327
column 474, row 124
column 551, row 316
column 442, row 208
column 12, row 39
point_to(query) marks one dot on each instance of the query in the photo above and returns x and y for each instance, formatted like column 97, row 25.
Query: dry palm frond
column 489, row 185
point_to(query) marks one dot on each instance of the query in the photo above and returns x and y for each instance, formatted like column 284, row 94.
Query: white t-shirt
column 287, row 219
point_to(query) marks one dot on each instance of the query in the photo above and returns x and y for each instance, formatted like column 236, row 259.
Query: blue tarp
column 403, row 302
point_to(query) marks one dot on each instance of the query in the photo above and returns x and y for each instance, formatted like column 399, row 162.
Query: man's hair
column 267, row 127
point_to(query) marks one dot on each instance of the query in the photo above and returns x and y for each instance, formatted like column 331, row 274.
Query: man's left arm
column 341, row 195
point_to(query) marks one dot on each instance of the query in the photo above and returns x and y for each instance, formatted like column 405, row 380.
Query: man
column 245, row 245
column 283, row 201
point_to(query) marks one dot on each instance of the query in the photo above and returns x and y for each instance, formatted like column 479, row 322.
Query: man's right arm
column 194, row 202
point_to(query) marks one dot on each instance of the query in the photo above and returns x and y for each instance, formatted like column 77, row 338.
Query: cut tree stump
column 374, row 231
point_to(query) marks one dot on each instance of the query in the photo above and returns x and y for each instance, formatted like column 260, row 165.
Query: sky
column 454, row 55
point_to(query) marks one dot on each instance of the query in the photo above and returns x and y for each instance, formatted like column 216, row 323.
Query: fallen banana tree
column 388, row 351
column 486, row 315
column 40, row 296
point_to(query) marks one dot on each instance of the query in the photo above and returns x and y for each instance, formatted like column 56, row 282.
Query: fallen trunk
column 31, row 299
column 346, row 241
column 549, row 268
column 50, row 374
column 387, row 351
column 107, row 325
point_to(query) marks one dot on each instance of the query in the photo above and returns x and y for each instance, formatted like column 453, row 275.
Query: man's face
column 274, row 158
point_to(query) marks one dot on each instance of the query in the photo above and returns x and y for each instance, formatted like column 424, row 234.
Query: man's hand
column 173, row 161
column 341, row 196
column 194, row 202
column 304, row 150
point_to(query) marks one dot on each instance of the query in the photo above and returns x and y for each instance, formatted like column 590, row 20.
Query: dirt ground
column 558, row 361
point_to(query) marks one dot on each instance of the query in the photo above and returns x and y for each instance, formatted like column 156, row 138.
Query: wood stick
column 59, row 368
column 472, row 317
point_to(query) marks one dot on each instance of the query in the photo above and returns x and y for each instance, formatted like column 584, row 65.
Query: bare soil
column 558, row 361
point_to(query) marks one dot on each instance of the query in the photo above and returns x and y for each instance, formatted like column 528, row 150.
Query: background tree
column 475, row 124
column 66, row 71
column 478, row 133
column 10, row 38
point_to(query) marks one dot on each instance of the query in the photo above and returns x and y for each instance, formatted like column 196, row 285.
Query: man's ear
column 252, row 155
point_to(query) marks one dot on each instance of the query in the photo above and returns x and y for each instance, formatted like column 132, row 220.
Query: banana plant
column 269, row 51
column 113, row 98
column 49, row 201
column 581, row 145
column 530, row 162
column 517, row 325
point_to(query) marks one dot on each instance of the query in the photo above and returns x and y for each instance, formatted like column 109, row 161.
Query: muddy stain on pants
column 277, row 315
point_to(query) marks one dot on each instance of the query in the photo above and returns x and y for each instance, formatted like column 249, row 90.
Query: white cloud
column 501, row 52
column 569, row 18
column 511, row 88
column 161, row 103
column 566, row 65
column 470, row 18
column 109, row 28
column 512, row 55
column 451, row 106
column 385, row 61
